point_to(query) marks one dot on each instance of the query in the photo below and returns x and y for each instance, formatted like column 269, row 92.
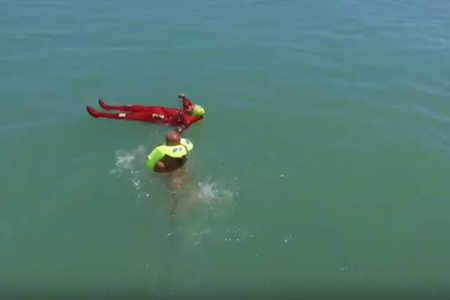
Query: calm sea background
column 322, row 167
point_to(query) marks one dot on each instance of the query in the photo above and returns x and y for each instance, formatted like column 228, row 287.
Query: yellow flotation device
column 177, row 151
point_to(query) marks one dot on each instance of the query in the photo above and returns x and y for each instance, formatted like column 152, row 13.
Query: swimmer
column 170, row 156
column 181, row 119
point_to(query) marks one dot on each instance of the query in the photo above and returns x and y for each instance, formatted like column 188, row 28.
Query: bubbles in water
column 344, row 268
column 136, row 182
column 288, row 238
column 199, row 236
column 237, row 234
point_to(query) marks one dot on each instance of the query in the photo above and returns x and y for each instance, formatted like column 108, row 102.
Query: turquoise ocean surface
column 321, row 168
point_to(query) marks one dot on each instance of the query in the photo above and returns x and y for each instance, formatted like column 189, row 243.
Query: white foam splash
column 126, row 160
column 207, row 190
column 128, row 163
column 211, row 193
column 204, row 194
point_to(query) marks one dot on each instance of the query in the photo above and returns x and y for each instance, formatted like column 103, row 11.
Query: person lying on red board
column 179, row 118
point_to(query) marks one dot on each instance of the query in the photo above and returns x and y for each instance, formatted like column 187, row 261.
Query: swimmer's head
column 173, row 138
column 197, row 110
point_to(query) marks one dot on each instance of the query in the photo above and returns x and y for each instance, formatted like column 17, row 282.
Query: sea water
column 321, row 168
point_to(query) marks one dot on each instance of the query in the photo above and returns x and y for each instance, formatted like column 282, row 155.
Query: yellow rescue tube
column 177, row 151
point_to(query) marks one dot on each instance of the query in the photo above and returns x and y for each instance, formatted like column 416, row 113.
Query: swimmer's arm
column 160, row 167
column 186, row 101
column 180, row 128
column 186, row 121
